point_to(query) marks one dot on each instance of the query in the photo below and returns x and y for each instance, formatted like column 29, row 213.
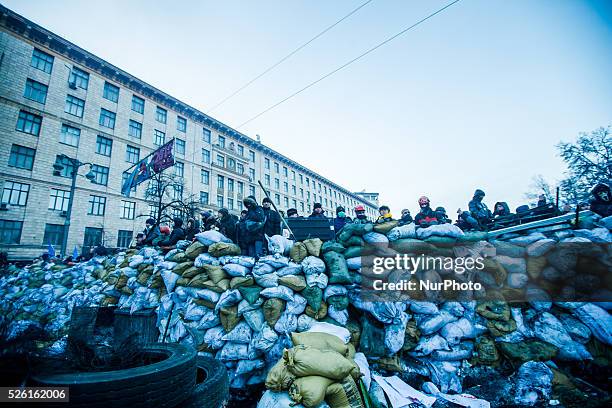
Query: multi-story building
column 371, row 197
column 56, row 98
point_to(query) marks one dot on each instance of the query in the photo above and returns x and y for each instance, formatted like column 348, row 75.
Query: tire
column 212, row 385
column 163, row 384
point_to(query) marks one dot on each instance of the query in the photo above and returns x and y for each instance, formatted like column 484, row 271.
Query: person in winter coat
column 466, row 222
column 293, row 213
column 176, row 235
column 385, row 215
column 360, row 215
column 209, row 221
column 255, row 221
column 317, row 211
column 601, row 200
column 479, row 210
column 151, row 232
column 426, row 216
column 241, row 232
column 541, row 200
column 501, row 209
column 406, row 218
column 227, row 224
column 442, row 217
column 341, row 219
column 273, row 220
column 192, row 228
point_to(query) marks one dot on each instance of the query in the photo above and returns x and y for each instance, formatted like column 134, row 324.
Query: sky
column 476, row 97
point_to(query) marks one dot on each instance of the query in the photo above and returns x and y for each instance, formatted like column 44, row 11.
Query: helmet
column 359, row 208
column 423, row 201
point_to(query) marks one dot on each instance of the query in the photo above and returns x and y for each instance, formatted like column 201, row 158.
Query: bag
column 279, row 378
column 309, row 391
column 272, row 309
column 255, row 226
column 344, row 394
column 220, row 249
column 306, row 361
column 313, row 246
column 298, row 252
column 320, row 341
column 337, row 268
column 295, row 282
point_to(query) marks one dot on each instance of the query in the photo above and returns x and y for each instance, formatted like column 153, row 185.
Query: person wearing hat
column 317, row 211
column 227, row 224
column 479, row 210
column 208, row 221
column 176, row 235
column 293, row 213
column 442, row 216
column 341, row 219
column 426, row 216
column 151, row 232
column 273, row 220
column 385, row 215
column 406, row 218
column 254, row 223
column 360, row 215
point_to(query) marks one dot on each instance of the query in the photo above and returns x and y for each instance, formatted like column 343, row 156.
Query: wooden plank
column 559, row 220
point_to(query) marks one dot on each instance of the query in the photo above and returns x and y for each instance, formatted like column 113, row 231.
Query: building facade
column 56, row 98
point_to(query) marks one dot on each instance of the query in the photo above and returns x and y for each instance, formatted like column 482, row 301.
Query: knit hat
column 316, row 205
column 266, row 200
column 291, row 211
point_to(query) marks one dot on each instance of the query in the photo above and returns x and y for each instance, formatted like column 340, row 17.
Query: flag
column 156, row 162
column 75, row 253
column 50, row 250
column 163, row 157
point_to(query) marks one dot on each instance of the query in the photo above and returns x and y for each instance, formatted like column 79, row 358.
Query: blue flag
column 51, row 250
column 75, row 253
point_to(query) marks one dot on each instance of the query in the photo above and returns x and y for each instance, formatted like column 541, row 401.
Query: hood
column 602, row 189
column 503, row 204
column 479, row 194
column 249, row 202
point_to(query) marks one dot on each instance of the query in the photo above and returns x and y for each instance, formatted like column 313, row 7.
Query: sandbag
column 314, row 297
column 273, row 308
column 596, row 319
column 305, row 361
column 337, row 268
column 320, row 341
column 229, row 317
column 264, row 339
column 250, row 293
column 281, row 292
column 239, row 334
column 313, row 246
column 236, row 270
column 220, row 249
column 279, row 377
column 313, row 265
column 205, row 259
column 441, row 230
column 233, row 351
column 332, row 246
column 286, row 324
column 241, row 281
column 298, row 252
column 344, row 394
column 385, row 227
column 309, row 391
column 295, row 282
column 277, row 244
column 297, row 305
column 352, row 252
column 375, row 238
column 404, row 231
column 195, row 249
column 215, row 273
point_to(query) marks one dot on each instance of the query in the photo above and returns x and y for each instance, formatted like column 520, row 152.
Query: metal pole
column 75, row 169
column 557, row 199
column 274, row 205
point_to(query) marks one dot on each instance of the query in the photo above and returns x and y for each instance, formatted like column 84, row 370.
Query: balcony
column 230, row 170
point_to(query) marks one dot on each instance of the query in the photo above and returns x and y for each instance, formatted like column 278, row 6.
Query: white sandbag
column 228, row 298
column 208, row 295
column 420, row 307
column 296, row 306
column 240, row 334
column 436, row 322
column 208, row 320
column 276, row 260
column 512, row 265
column 319, row 280
column 593, row 235
column 533, row 382
column 394, row 334
column 248, row 366
column 255, row 319
column 405, row 231
column 445, row 374
column 375, row 238
column 236, row 270
column 322, row 327
column 305, row 322
column 334, row 290
column 517, row 280
column 278, row 244
column 525, row 240
column 264, row 339
column 280, row 292
column 233, row 351
column 456, row 331
column 364, row 368
column 136, row 260
column 549, row 329
column 246, row 261
column 577, row 330
column 442, row 230
column 269, row 280
column 428, row 344
column 210, row 237
column 312, row 265
column 291, row 269
column 354, row 263
column 194, row 312
column 170, row 279
column 341, row 316
column 597, row 319
column 244, row 306
column 205, row 259
column 458, row 352
column 287, row 323
column 541, row 247
column 454, row 308
column 261, row 269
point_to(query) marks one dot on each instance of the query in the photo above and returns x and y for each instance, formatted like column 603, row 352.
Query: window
column 220, row 161
column 205, row 156
column 124, row 238
column 252, row 156
column 220, row 201
column 124, row 177
column 138, row 104
column 203, row 197
column 111, row 92
column 204, row 176
column 240, row 168
column 231, row 163
column 286, row 202
column 220, row 182
column 10, row 231
column 74, row 106
column 301, row 179
column 252, row 174
column 294, row 203
column 135, row 129
column 285, row 171
column 132, row 154
column 293, row 190
column 276, row 167
column 230, row 185
column 101, row 174
column 179, row 169
column 267, row 163
column 58, row 200
column 301, row 193
column 79, row 78
column 181, row 124
column 206, row 135
column 307, row 182
column 160, row 137
column 302, row 206
column 97, row 205
column 128, row 209
column 67, row 167
column 35, row 91
column 252, row 190
column 104, row 146
column 29, row 123
column 267, row 179
column 276, row 184
column 161, row 115
column 21, row 157
column 15, row 193
column 180, row 146
column 277, row 199
column 54, row 234
column 240, row 188
column 107, row 118
column 70, row 135
column 93, row 238
column 221, row 141
column 240, row 205
column 230, row 203
column 241, row 150
column 41, row 60
column 293, row 175
column 285, row 187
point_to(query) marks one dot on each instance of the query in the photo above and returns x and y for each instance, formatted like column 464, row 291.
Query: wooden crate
column 143, row 323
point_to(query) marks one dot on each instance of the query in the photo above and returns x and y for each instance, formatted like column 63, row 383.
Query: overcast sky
column 476, row 97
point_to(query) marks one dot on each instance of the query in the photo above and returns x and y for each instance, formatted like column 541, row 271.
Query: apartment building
column 58, row 99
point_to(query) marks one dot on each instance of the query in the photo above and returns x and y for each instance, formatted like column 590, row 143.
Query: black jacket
column 315, row 215
column 254, row 222
column 273, row 222
column 601, row 200
column 479, row 210
column 426, row 217
column 504, row 212
column 227, row 226
column 405, row 220
column 176, row 235
column 150, row 235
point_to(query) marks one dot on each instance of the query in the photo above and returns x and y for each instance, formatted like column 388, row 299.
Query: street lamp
column 76, row 165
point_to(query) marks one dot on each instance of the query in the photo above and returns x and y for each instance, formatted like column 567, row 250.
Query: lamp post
column 75, row 165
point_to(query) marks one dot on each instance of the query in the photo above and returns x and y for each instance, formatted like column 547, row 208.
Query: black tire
column 212, row 385
column 163, row 384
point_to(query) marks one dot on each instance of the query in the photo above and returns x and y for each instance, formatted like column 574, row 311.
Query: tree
column 166, row 195
column 539, row 185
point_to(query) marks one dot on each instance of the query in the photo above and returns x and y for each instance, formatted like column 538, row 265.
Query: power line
column 349, row 63
column 286, row 57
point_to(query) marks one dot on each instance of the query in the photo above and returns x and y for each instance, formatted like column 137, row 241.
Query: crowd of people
column 257, row 221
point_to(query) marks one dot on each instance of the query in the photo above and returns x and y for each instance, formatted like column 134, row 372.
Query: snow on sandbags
column 404, row 231
column 442, row 230
column 278, row 244
column 211, row 237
